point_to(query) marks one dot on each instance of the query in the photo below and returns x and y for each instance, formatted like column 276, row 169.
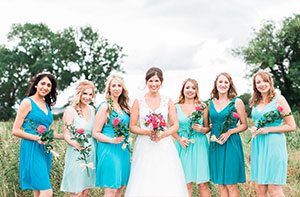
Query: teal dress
column 35, row 165
column 194, row 159
column 226, row 162
column 268, row 152
column 113, row 162
column 75, row 179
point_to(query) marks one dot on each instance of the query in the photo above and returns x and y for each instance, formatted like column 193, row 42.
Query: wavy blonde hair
column 82, row 86
column 123, row 99
column 231, row 94
column 256, row 96
column 181, row 98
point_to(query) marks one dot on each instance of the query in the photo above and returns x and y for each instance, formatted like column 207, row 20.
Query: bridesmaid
column 193, row 156
column 268, row 153
column 81, row 115
column 35, row 165
column 113, row 162
column 226, row 157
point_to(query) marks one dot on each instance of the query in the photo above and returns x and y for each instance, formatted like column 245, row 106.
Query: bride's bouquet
column 156, row 122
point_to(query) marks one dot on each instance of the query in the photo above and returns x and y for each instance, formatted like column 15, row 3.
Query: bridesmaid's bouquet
column 268, row 118
column 194, row 118
column 230, row 120
column 156, row 122
column 45, row 136
column 79, row 136
column 119, row 128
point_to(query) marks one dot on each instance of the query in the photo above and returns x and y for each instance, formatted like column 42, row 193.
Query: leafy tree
column 245, row 98
column 70, row 55
column 276, row 49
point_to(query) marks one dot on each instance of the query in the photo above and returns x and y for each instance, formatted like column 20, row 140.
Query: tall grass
column 9, row 165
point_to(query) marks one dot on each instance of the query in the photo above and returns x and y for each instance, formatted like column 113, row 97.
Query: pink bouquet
column 155, row 122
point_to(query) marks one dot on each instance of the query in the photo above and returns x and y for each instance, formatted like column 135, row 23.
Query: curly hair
column 50, row 98
column 181, row 98
column 232, row 90
column 256, row 96
column 123, row 99
column 82, row 86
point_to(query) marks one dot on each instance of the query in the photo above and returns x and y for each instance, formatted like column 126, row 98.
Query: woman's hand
column 38, row 140
column 261, row 131
column 197, row 127
column 77, row 145
column 117, row 140
column 184, row 143
column 224, row 137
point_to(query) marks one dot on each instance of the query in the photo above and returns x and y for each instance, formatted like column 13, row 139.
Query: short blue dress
column 268, row 152
column 194, row 159
column 226, row 161
column 75, row 178
column 35, row 165
column 113, row 162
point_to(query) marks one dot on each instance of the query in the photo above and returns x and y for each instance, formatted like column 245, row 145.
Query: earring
column 35, row 86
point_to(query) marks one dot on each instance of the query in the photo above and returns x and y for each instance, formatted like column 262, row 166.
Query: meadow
column 9, row 164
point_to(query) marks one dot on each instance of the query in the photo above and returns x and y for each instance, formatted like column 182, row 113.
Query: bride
column 156, row 168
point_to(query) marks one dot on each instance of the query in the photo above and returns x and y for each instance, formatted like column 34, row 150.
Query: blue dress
column 268, row 152
column 226, row 162
column 194, row 159
column 75, row 178
column 35, row 165
column 113, row 163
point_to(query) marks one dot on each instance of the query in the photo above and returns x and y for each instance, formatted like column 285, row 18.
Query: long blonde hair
column 256, row 96
column 123, row 99
column 181, row 98
column 82, row 86
column 231, row 94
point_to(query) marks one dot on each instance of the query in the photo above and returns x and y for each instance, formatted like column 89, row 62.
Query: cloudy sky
column 191, row 38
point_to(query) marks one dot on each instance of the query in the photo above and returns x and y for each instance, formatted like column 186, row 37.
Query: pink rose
column 116, row 121
column 80, row 131
column 164, row 124
column 198, row 108
column 154, row 125
column 236, row 115
column 41, row 129
column 148, row 121
column 279, row 108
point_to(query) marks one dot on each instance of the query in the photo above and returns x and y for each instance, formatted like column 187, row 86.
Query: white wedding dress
column 156, row 168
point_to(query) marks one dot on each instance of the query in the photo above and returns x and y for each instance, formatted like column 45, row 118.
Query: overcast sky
column 191, row 38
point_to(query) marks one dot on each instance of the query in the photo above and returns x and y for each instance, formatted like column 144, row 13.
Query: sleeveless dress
column 194, row 159
column 156, row 167
column 268, row 152
column 75, row 178
column 35, row 165
column 226, row 162
column 113, row 163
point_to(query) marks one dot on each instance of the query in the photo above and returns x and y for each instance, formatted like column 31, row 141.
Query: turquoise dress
column 226, row 162
column 268, row 152
column 113, row 163
column 35, row 165
column 194, row 159
column 75, row 179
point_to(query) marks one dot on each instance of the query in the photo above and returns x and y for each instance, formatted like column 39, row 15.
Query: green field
column 9, row 164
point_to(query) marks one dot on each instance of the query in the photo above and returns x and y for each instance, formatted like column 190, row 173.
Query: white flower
column 213, row 138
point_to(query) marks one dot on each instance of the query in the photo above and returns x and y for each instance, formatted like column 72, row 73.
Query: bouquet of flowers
column 119, row 128
column 79, row 136
column 194, row 118
column 45, row 136
column 155, row 122
column 268, row 118
column 230, row 120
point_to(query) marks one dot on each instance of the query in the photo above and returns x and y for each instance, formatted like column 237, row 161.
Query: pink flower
column 154, row 125
column 116, row 121
column 41, row 129
column 236, row 115
column 164, row 124
column 148, row 121
column 279, row 108
column 80, row 131
column 198, row 108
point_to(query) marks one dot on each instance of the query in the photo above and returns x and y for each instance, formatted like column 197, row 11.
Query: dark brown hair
column 154, row 71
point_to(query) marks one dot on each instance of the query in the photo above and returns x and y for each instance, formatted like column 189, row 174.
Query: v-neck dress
column 75, row 179
column 113, row 162
column 194, row 158
column 268, row 152
column 226, row 161
column 35, row 164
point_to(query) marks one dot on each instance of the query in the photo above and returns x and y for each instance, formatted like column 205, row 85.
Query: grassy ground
column 9, row 165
